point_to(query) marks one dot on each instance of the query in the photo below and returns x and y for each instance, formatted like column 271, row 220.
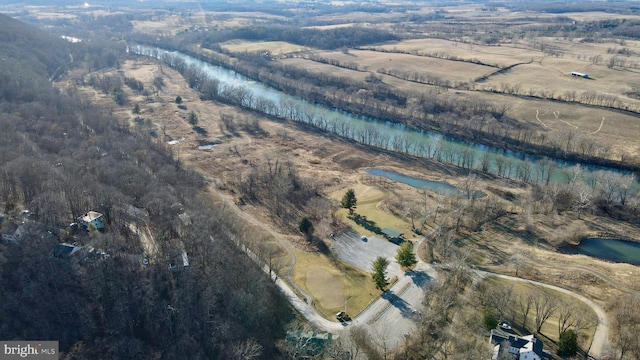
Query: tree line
column 333, row 38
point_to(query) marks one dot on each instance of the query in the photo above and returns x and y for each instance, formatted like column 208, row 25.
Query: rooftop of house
column 91, row 216
column 64, row 250
column 524, row 343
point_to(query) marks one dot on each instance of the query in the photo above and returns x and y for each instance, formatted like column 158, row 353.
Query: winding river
column 257, row 96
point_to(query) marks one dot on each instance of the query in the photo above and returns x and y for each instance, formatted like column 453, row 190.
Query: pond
column 607, row 249
column 438, row 187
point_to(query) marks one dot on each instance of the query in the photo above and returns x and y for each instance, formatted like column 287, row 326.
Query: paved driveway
column 350, row 248
column 395, row 313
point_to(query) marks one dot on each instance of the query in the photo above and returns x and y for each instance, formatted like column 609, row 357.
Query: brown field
column 599, row 15
column 361, row 19
column 170, row 26
column 445, row 69
column 276, row 48
column 200, row 21
column 321, row 68
column 618, row 131
column 548, row 74
column 494, row 55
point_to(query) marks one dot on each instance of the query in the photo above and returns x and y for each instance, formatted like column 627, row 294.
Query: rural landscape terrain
column 321, row 179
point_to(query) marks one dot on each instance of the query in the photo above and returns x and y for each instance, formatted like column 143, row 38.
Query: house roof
column 64, row 250
column 524, row 343
column 91, row 216
column 392, row 233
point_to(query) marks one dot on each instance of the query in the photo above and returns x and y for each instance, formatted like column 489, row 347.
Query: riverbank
column 457, row 131
column 217, row 83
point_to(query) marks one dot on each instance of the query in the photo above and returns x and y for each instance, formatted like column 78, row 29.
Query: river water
column 387, row 135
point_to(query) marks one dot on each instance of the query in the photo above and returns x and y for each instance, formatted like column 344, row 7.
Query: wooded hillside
column 60, row 157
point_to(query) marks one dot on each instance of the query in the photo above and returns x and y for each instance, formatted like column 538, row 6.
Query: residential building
column 92, row 218
column 526, row 347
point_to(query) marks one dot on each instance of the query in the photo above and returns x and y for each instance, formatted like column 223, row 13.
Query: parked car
column 343, row 316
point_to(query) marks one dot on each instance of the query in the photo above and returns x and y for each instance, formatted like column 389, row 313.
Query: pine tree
column 380, row 273
column 405, row 256
column 568, row 343
column 306, row 227
column 136, row 109
column 193, row 118
column 349, row 201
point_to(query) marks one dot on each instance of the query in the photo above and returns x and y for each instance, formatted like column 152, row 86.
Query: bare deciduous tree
column 545, row 304
column 626, row 327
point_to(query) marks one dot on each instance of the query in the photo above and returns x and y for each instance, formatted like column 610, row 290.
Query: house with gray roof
column 527, row 347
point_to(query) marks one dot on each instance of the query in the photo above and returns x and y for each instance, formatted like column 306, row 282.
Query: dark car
column 343, row 316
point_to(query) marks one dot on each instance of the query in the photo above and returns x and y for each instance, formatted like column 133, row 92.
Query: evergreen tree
column 193, row 118
column 136, row 109
column 306, row 227
column 568, row 343
column 380, row 273
column 405, row 256
column 489, row 320
column 349, row 201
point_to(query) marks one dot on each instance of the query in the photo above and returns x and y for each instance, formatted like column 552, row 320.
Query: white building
column 521, row 347
column 92, row 217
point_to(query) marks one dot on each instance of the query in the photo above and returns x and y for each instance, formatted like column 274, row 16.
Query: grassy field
column 494, row 55
column 369, row 200
column 275, row 48
column 330, row 282
column 320, row 68
column 374, row 60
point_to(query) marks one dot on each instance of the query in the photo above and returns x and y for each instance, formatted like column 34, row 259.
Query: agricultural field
column 275, row 48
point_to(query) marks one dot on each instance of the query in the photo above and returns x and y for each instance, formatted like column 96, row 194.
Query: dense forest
column 60, row 156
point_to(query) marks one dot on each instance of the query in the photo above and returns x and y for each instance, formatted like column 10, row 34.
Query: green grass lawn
column 330, row 282
column 368, row 200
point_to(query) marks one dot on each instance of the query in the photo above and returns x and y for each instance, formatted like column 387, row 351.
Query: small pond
column 438, row 187
column 607, row 249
